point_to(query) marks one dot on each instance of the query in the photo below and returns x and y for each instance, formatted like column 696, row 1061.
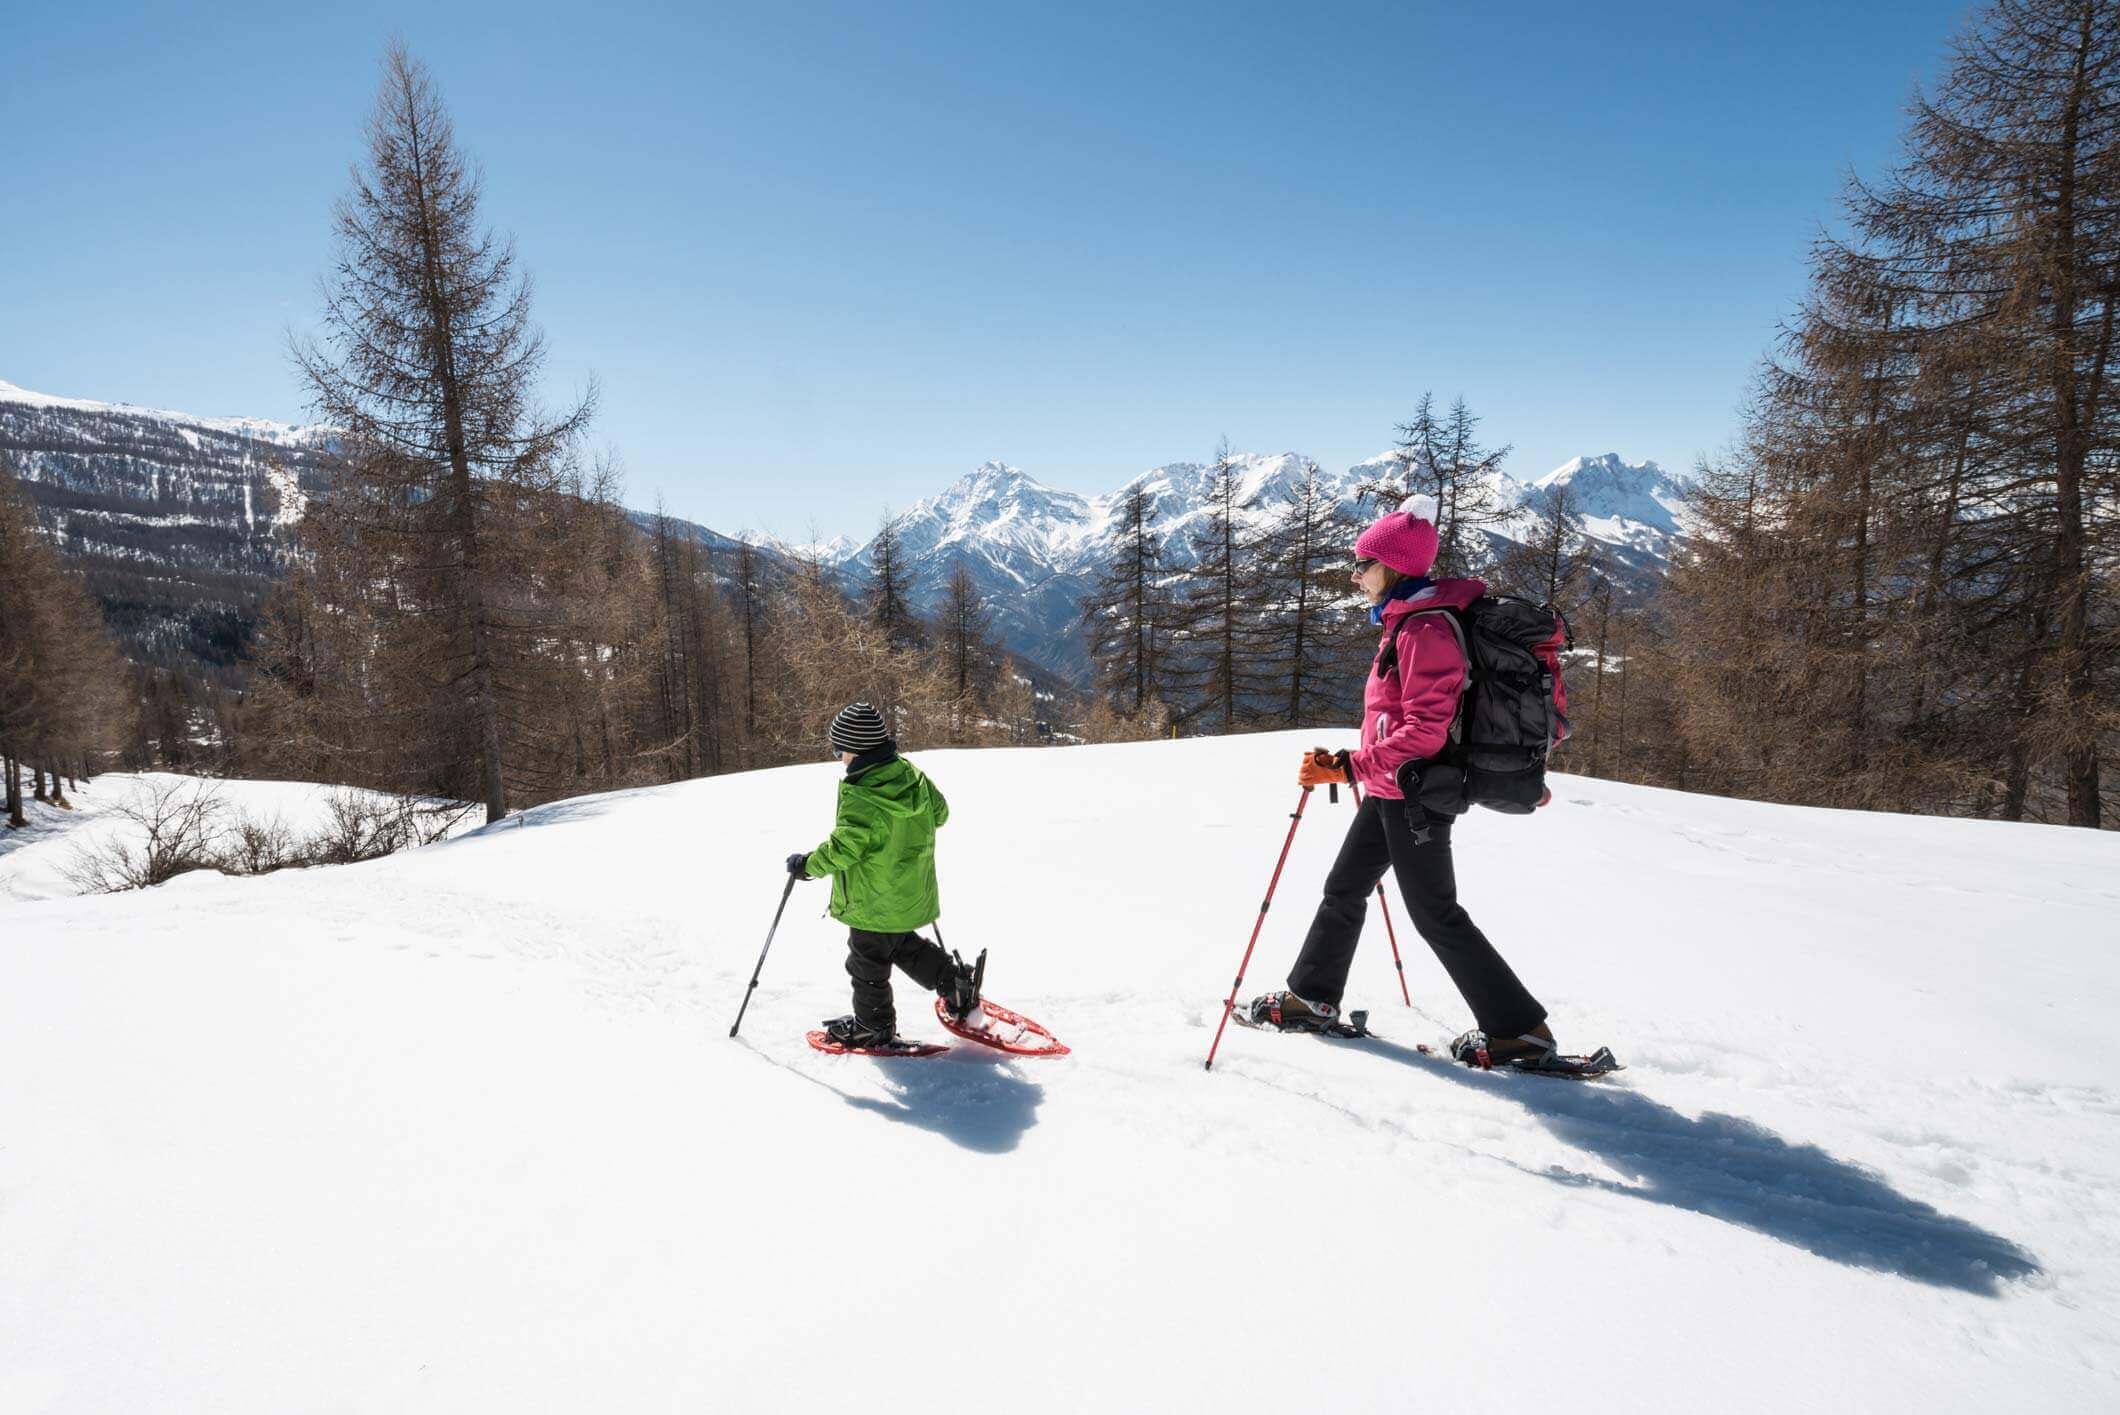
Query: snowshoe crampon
column 896, row 1046
column 995, row 1026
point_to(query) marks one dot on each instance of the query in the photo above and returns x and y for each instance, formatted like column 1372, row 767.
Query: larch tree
column 1316, row 638
column 1218, row 611
column 890, row 590
column 428, row 365
column 1127, row 613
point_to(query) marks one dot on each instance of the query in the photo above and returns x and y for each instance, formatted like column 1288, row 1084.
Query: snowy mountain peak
column 829, row 552
column 1606, row 487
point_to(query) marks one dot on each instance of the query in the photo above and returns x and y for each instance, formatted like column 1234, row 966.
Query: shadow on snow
column 971, row 1096
column 1735, row 1170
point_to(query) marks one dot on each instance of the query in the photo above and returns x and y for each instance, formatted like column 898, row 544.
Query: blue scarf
column 1404, row 589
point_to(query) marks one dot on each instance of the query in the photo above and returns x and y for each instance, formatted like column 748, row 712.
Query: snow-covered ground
column 463, row 1129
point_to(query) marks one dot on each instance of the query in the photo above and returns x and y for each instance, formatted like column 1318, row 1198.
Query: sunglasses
column 1361, row 567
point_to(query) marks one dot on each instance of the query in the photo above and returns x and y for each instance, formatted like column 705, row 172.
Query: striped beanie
column 858, row 729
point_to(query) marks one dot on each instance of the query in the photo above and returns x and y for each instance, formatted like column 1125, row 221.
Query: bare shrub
column 258, row 847
column 362, row 826
column 181, row 821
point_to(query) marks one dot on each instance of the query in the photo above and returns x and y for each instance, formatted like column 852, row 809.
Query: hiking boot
column 851, row 1031
column 960, row 986
column 1285, row 1012
column 1476, row 1048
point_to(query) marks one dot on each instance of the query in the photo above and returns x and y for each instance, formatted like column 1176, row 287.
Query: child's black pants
column 870, row 957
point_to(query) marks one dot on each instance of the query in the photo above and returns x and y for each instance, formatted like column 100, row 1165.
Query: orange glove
column 1323, row 768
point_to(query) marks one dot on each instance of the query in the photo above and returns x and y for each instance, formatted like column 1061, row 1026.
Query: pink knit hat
column 1402, row 540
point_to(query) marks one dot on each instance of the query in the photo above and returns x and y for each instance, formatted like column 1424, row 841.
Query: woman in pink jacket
column 1407, row 708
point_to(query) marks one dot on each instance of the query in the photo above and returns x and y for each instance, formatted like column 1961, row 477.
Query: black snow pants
column 1380, row 838
column 869, row 960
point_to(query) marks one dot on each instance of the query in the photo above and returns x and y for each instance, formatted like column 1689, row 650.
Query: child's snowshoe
column 850, row 1036
column 993, row 1025
column 851, row 1031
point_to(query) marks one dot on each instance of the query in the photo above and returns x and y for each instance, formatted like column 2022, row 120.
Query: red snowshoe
column 995, row 1026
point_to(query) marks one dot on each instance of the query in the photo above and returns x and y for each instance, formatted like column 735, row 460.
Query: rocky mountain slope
column 180, row 523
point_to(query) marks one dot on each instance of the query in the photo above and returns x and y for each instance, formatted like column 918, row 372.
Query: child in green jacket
column 881, row 856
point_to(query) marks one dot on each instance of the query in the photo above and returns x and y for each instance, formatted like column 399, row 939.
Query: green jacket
column 881, row 851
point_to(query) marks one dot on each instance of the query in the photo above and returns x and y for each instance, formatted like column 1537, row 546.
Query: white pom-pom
column 1420, row 507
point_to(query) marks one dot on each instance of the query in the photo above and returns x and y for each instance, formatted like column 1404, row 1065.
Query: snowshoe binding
column 1285, row 1012
column 849, row 1036
column 960, row 987
column 1534, row 1052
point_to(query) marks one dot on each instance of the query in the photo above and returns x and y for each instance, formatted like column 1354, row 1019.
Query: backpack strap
column 1388, row 661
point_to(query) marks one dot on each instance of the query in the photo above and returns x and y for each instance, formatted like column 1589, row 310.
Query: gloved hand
column 799, row 865
column 1323, row 768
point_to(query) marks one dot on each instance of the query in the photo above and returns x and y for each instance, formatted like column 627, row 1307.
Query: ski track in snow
column 474, row 1111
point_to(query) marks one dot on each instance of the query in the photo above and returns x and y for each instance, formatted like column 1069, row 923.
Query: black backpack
column 1511, row 712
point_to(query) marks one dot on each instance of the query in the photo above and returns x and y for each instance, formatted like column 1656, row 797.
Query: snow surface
column 463, row 1129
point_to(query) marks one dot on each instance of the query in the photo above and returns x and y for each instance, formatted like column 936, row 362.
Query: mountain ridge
column 211, row 501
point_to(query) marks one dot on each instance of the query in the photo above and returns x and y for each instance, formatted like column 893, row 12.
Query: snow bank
column 463, row 1129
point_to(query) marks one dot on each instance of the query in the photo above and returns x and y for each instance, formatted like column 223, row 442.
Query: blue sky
column 823, row 259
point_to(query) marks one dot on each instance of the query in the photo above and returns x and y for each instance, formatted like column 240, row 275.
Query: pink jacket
column 1406, row 712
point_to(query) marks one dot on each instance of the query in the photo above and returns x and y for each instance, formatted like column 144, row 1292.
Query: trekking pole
column 1230, row 1006
column 762, row 956
column 1389, row 932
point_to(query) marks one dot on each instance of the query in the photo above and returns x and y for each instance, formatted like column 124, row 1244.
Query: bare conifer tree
column 890, row 593
column 967, row 628
column 1218, row 610
column 1127, row 614
column 1444, row 459
column 1554, row 563
column 428, row 364
column 1316, row 637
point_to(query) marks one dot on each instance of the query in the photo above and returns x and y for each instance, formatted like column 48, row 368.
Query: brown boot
column 1529, row 1046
